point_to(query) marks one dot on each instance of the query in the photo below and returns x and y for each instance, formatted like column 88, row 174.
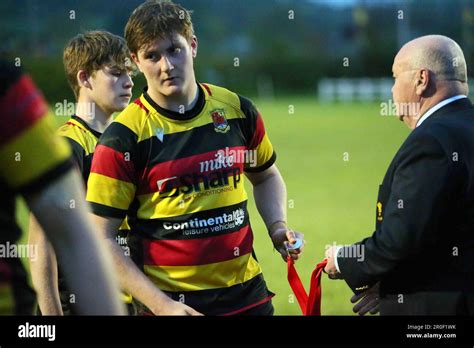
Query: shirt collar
column 438, row 106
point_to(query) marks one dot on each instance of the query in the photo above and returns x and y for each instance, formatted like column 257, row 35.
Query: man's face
column 404, row 91
column 168, row 66
column 111, row 89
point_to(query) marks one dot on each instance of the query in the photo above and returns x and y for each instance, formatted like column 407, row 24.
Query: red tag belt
column 310, row 305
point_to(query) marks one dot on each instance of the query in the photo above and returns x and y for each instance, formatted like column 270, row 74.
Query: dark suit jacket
column 422, row 250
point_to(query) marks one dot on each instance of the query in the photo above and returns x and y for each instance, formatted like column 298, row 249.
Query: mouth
column 125, row 95
column 170, row 79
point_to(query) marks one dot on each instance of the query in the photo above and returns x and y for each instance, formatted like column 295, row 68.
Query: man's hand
column 282, row 236
column 369, row 301
column 176, row 308
column 330, row 268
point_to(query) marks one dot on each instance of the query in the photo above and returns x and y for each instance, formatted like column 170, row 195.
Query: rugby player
column 98, row 68
column 36, row 165
column 170, row 161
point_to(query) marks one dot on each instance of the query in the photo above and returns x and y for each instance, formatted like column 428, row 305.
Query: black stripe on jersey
column 225, row 300
column 86, row 126
column 154, row 228
column 103, row 210
column 187, row 115
column 122, row 139
column 47, row 178
column 251, row 114
column 263, row 167
column 78, row 153
column 190, row 143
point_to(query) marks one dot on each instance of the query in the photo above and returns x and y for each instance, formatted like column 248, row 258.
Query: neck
column 97, row 118
column 176, row 103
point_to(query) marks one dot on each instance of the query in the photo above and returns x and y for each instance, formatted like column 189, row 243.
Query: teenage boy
column 98, row 67
column 173, row 162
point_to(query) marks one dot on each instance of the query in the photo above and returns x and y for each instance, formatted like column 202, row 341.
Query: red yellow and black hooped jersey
column 180, row 179
column 30, row 158
column 83, row 140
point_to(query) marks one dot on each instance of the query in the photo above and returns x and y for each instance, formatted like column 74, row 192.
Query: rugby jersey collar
column 187, row 115
column 85, row 125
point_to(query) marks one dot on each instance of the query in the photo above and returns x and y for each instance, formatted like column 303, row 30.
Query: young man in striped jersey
column 98, row 67
column 174, row 161
column 35, row 164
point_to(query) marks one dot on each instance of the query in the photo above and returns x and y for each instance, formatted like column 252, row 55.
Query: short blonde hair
column 93, row 50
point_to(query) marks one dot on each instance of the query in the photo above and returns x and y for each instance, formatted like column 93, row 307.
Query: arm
column 270, row 198
column 132, row 279
column 80, row 253
column 44, row 271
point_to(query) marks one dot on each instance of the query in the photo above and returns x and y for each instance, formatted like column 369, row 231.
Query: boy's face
column 111, row 89
column 168, row 66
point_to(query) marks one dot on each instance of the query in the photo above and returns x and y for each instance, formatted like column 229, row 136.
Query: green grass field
column 331, row 200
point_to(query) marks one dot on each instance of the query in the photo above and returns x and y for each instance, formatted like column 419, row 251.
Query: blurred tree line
column 265, row 48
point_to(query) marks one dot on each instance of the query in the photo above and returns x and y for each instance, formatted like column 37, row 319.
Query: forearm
column 44, row 271
column 134, row 281
column 130, row 277
column 80, row 252
column 270, row 199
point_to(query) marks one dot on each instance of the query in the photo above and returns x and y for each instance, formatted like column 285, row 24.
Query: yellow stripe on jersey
column 32, row 153
column 152, row 207
column 77, row 132
column 124, row 192
column 210, row 276
column 264, row 151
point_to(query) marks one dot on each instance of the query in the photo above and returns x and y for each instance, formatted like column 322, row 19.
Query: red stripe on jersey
column 259, row 133
column 202, row 164
column 201, row 251
column 140, row 104
column 22, row 105
column 207, row 88
column 111, row 163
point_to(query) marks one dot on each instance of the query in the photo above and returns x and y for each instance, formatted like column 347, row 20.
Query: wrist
column 277, row 225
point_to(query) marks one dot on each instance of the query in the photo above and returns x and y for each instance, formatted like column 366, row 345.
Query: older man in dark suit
column 422, row 251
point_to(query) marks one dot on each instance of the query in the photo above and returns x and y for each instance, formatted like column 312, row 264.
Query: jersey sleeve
column 262, row 153
column 112, row 182
column 31, row 154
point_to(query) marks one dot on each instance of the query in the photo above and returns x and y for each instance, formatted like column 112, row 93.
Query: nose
column 166, row 64
column 128, row 82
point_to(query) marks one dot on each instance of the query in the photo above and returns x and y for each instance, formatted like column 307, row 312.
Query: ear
column 422, row 81
column 83, row 79
column 194, row 46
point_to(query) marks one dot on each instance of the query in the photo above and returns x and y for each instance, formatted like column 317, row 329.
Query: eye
column 151, row 56
column 175, row 50
column 116, row 73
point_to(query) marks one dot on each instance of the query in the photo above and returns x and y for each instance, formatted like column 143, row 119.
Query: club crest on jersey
column 220, row 122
